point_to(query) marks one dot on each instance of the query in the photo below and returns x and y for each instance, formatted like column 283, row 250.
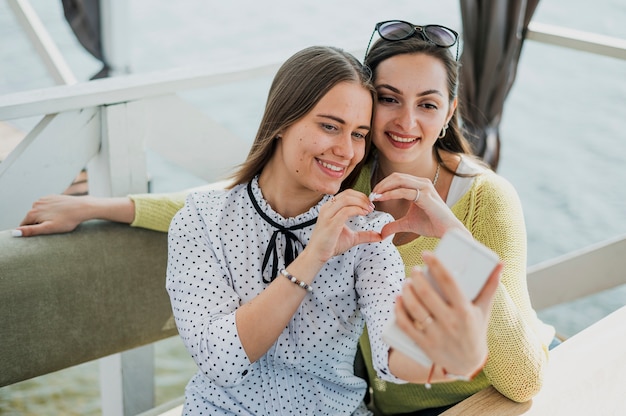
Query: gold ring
column 420, row 326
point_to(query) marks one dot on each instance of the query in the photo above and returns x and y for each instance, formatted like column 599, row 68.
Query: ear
column 452, row 109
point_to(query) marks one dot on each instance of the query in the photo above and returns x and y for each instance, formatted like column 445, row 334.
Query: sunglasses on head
column 438, row 35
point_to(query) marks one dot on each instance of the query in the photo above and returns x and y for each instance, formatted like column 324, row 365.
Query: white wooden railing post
column 126, row 379
column 127, row 382
column 119, row 168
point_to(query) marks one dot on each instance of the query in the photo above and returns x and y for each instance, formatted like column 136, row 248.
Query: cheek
column 381, row 117
column 359, row 152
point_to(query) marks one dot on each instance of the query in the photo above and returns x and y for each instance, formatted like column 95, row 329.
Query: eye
column 386, row 99
column 358, row 135
column 329, row 127
column 429, row 106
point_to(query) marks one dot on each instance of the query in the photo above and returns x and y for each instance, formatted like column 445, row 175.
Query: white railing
column 106, row 125
column 577, row 40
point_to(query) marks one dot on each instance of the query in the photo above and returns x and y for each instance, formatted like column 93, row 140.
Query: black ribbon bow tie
column 291, row 241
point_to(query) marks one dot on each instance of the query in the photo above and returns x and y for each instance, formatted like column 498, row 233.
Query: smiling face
column 413, row 106
column 316, row 153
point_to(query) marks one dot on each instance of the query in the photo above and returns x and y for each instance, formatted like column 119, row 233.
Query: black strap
column 291, row 249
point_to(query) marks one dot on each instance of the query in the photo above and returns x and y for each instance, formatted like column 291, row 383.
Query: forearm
column 406, row 369
column 261, row 321
column 515, row 366
column 118, row 209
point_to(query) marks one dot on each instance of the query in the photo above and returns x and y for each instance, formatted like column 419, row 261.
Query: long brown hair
column 300, row 83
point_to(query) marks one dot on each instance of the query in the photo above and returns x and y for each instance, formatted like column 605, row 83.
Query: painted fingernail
column 374, row 196
column 16, row 233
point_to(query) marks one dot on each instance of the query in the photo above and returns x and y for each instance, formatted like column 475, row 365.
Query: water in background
column 563, row 131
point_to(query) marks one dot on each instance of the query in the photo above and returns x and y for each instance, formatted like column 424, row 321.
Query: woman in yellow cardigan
column 418, row 145
column 421, row 166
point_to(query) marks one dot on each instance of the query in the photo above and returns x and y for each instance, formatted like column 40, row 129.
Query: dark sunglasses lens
column 395, row 30
column 440, row 35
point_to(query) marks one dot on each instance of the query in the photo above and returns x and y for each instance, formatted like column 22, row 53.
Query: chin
column 329, row 188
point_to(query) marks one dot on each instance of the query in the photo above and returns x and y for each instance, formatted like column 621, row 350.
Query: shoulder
column 492, row 185
column 209, row 203
column 494, row 200
column 204, row 209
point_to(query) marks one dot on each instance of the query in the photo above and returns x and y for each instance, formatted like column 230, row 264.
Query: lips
column 401, row 142
column 332, row 169
column 402, row 139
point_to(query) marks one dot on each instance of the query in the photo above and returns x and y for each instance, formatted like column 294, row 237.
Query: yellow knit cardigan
column 517, row 340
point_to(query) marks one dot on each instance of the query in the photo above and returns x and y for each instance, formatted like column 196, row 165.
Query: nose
column 345, row 146
column 406, row 118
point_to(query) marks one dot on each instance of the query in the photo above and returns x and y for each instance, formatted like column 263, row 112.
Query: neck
column 288, row 201
column 423, row 169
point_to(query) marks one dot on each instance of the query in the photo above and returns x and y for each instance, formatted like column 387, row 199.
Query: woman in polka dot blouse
column 272, row 280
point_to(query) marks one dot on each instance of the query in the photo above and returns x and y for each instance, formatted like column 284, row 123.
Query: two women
column 272, row 280
column 422, row 168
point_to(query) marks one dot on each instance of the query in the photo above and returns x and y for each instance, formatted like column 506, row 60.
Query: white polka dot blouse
column 217, row 243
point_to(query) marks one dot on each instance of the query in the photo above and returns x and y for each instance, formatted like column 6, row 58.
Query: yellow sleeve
column 155, row 211
column 518, row 341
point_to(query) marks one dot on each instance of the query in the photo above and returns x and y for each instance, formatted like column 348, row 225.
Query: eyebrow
column 397, row 91
column 341, row 121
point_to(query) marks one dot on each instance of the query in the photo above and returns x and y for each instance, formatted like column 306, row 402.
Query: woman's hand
column 428, row 214
column 451, row 329
column 53, row 214
column 63, row 213
column 331, row 235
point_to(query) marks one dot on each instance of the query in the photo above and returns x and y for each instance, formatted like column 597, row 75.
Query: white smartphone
column 469, row 262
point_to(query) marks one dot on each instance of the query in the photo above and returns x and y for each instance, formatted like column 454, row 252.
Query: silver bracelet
column 293, row 279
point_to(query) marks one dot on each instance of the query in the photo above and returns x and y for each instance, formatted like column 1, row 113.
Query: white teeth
column 331, row 167
column 401, row 139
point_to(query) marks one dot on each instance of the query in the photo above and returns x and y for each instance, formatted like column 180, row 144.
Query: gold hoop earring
column 443, row 132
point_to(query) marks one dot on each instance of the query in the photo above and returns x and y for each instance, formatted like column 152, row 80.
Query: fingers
column 37, row 229
column 363, row 237
column 405, row 320
column 29, row 219
column 394, row 227
column 332, row 235
column 344, row 205
column 402, row 186
column 430, row 300
column 416, row 312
